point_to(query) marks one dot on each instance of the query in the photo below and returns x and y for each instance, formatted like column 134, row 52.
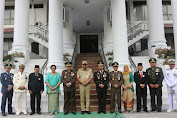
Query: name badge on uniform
column 88, row 75
column 39, row 78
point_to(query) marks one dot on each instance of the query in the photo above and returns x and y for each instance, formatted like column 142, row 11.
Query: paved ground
column 163, row 114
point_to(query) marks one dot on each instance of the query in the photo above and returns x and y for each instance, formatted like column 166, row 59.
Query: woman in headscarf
column 128, row 91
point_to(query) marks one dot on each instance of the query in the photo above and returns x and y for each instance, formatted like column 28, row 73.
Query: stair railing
column 136, row 29
column 103, row 57
column 74, row 56
column 44, row 68
column 39, row 31
column 133, row 66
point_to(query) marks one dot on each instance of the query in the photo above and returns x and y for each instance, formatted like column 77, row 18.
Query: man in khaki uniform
column 20, row 82
column 68, row 79
column 84, row 76
column 116, row 80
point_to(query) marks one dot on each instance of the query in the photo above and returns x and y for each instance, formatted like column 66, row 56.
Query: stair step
column 93, row 108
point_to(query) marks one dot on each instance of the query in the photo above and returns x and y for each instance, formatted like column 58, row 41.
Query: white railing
column 133, row 30
column 39, row 31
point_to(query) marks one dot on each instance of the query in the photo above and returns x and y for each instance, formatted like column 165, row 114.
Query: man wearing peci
column 36, row 88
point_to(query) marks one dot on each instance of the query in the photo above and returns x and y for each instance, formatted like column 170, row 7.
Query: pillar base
column 154, row 44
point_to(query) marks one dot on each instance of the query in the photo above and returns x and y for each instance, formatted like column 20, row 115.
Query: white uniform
column 171, row 81
column 21, row 79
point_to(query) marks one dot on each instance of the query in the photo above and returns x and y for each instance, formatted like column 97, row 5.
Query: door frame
column 78, row 40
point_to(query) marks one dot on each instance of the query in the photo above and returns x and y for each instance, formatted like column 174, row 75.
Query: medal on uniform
column 72, row 74
column 157, row 73
column 6, row 78
column 157, row 70
column 39, row 78
column 65, row 76
column 112, row 78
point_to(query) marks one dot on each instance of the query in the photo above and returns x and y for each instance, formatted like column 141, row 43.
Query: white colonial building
column 54, row 31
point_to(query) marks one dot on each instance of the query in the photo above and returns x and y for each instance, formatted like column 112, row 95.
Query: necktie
column 141, row 74
column 36, row 75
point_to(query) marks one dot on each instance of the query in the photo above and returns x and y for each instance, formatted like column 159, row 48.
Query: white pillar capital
column 56, row 35
column 156, row 26
column 174, row 13
column 2, row 7
column 21, row 28
column 119, row 29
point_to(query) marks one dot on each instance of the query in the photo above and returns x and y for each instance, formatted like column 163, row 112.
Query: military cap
column 84, row 62
column 115, row 64
column 171, row 61
column 68, row 63
column 36, row 66
column 140, row 64
column 152, row 60
column 8, row 65
column 100, row 63
column 21, row 66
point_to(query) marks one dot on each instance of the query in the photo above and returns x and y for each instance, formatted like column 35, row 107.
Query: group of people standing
column 21, row 82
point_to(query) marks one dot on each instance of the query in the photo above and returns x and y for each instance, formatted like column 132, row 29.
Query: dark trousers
column 141, row 93
column 112, row 109
column 69, row 101
column 102, row 101
column 33, row 96
column 5, row 96
column 158, row 93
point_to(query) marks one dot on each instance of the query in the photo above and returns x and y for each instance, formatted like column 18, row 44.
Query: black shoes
column 88, row 112
column 12, row 113
column 111, row 111
column 74, row 113
column 104, row 112
column 153, row 110
column 138, row 110
column 65, row 113
column 98, row 112
column 120, row 111
column 38, row 112
column 32, row 113
column 4, row 114
column 83, row 112
column 159, row 110
column 145, row 110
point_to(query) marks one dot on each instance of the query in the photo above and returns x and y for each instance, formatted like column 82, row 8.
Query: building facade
column 53, row 31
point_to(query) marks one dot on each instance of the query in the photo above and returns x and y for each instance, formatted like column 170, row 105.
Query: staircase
column 92, row 59
column 136, row 31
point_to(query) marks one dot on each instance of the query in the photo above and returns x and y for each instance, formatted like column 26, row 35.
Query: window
column 37, row 6
column 9, row 15
column 167, row 10
column 7, row 44
column 140, row 11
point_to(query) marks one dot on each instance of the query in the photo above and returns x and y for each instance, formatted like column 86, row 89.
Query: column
column 55, row 45
column 174, row 13
column 119, row 29
column 156, row 26
column 130, row 10
column 21, row 28
column 108, row 41
column 2, row 7
column 68, row 30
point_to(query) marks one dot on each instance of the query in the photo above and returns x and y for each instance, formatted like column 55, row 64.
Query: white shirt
column 20, row 79
column 171, row 77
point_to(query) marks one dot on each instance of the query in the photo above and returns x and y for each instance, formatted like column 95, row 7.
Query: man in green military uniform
column 68, row 79
column 101, row 79
column 116, row 80
column 155, row 76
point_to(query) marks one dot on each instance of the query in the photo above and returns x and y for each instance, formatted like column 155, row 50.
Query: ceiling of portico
column 83, row 12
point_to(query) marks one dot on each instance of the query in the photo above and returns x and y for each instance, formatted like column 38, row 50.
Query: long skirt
column 53, row 102
column 128, row 106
